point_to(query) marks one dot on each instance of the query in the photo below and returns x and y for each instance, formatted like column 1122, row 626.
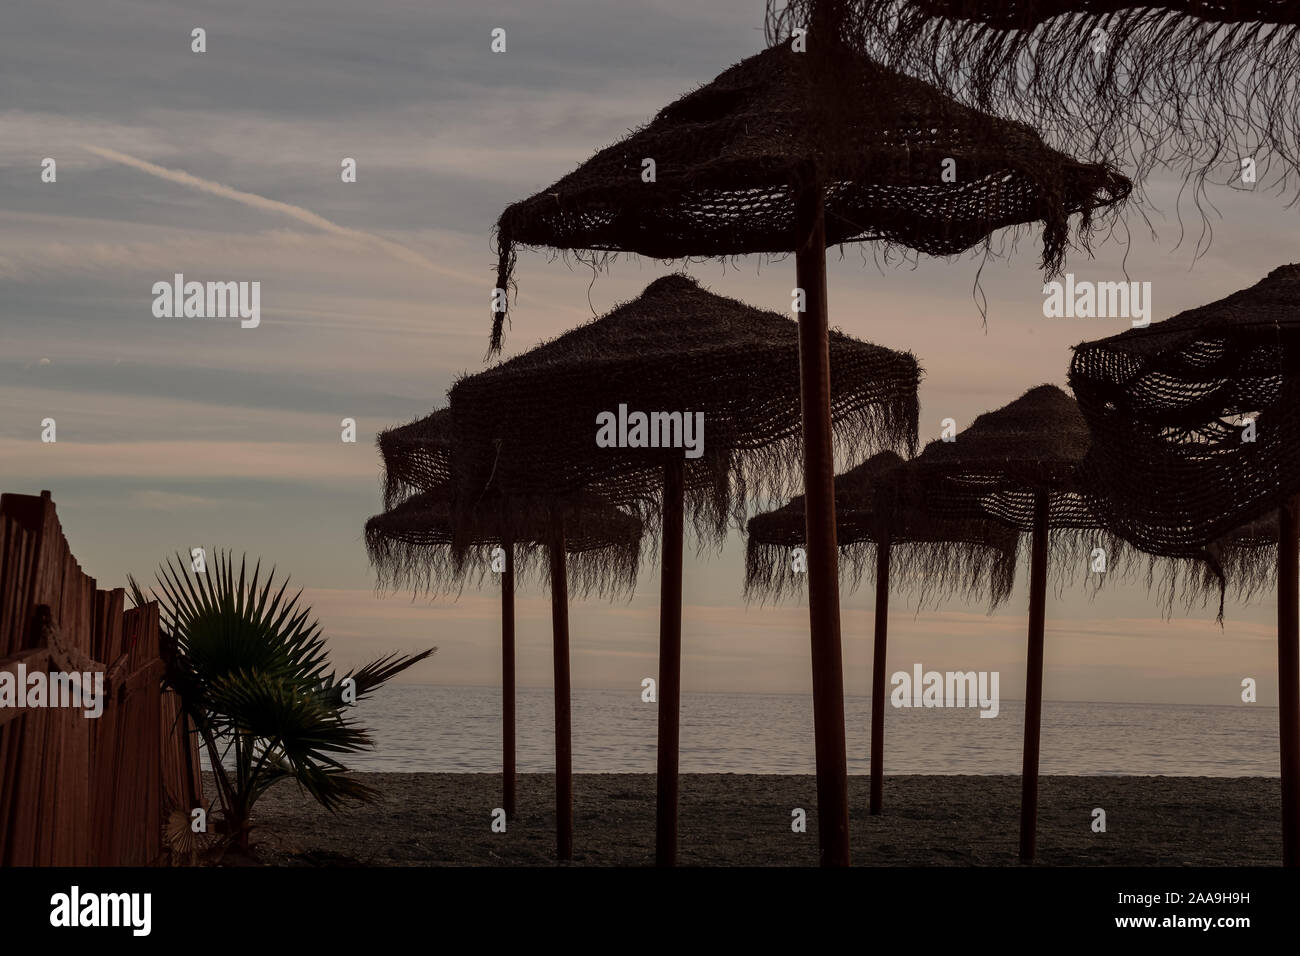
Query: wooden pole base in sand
column 823, row 558
column 1288, row 674
column 508, row 682
column 563, row 731
column 670, row 663
column 878, row 675
column 1034, row 680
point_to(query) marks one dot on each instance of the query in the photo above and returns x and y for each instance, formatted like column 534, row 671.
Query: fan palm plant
column 250, row 667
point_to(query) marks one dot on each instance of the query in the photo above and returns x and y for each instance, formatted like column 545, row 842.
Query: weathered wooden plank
column 36, row 658
column 75, row 790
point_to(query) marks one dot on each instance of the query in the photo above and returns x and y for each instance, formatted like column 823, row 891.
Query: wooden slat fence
column 74, row 790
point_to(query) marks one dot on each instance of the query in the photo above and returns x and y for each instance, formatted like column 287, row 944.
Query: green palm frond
column 223, row 626
column 250, row 664
column 371, row 677
column 298, row 734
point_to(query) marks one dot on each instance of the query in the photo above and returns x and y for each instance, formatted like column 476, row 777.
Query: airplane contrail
column 305, row 216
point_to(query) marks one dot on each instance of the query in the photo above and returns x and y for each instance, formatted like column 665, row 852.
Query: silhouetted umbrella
column 417, row 456
column 1244, row 560
column 725, row 374
column 973, row 557
column 785, row 152
column 1189, row 82
column 421, row 542
column 1176, row 467
column 1016, row 464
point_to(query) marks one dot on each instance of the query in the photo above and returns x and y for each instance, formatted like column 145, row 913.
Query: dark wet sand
column 436, row 819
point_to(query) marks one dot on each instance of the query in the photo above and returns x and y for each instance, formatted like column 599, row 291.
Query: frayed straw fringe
column 418, row 545
column 1170, row 470
column 1175, row 85
column 733, row 155
column 525, row 429
column 429, row 564
column 720, row 485
column 434, row 570
column 931, row 572
column 416, row 456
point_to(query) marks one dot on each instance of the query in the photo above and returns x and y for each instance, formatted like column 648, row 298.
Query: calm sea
column 458, row 729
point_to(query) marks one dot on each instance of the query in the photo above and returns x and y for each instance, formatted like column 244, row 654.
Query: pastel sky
column 225, row 166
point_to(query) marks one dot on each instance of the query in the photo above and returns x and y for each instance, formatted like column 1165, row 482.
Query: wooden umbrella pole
column 823, row 558
column 508, row 681
column 1034, row 679
column 1288, row 674
column 878, row 674
column 670, row 663
column 563, row 733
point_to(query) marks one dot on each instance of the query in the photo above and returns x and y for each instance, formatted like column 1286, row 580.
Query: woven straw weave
column 973, row 558
column 526, row 429
column 417, row 456
column 732, row 156
column 996, row 467
column 1196, row 84
column 418, row 544
column 1169, row 470
column 421, row 542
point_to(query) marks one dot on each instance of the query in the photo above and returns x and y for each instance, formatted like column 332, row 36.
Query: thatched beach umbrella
column 1197, row 431
column 789, row 151
column 1243, row 561
column 422, row 542
column 416, row 456
column 1017, row 465
column 1190, row 82
column 680, row 400
column 971, row 557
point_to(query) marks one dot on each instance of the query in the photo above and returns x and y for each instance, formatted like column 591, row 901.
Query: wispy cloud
column 305, row 216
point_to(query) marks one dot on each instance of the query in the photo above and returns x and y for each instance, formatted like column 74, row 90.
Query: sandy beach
column 434, row 819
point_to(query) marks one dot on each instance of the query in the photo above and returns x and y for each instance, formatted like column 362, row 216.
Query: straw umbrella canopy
column 1017, row 465
column 418, row 543
column 1246, row 559
column 422, row 541
column 1171, row 399
column 786, row 152
column 1189, row 82
column 1197, row 425
column 973, row 557
column 416, row 456
column 542, row 424
column 1243, row 561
